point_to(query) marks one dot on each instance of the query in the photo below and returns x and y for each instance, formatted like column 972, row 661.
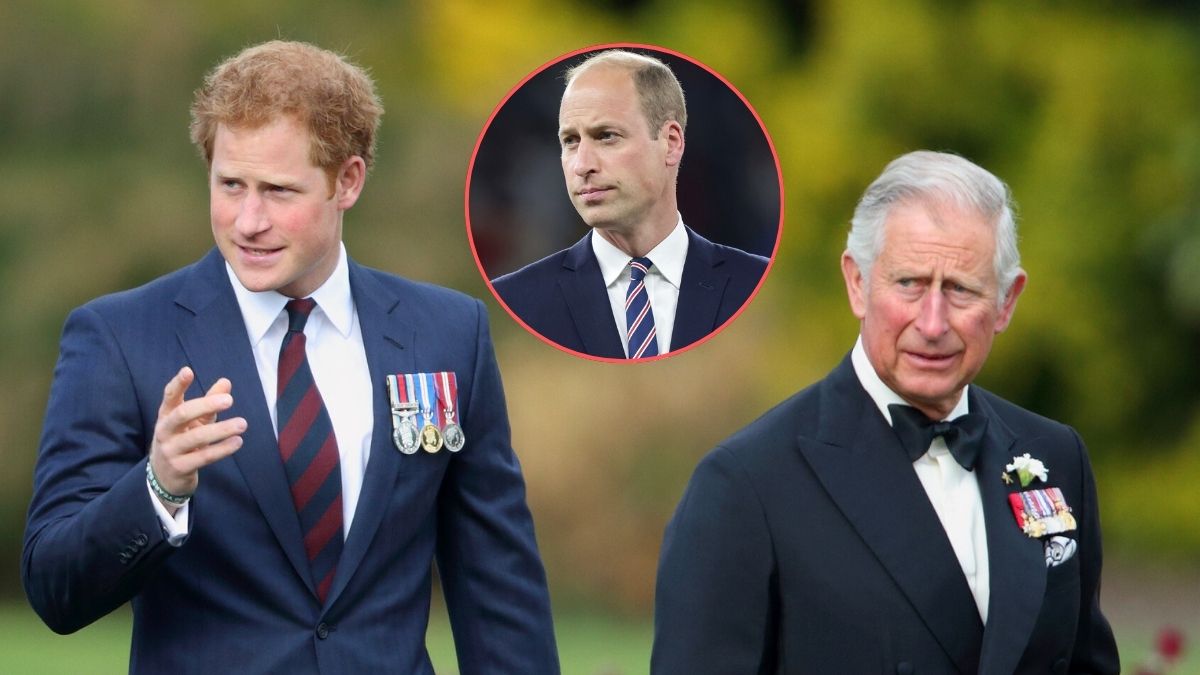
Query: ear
column 1010, row 301
column 673, row 134
column 349, row 183
column 855, row 285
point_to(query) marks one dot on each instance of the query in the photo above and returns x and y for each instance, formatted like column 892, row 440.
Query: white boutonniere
column 1026, row 469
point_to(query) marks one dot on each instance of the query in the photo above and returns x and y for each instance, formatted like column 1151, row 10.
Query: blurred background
column 1090, row 111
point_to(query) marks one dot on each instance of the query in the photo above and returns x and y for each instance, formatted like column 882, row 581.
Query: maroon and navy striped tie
column 309, row 451
column 639, row 318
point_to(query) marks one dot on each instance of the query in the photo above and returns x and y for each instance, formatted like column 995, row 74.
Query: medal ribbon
column 448, row 393
column 429, row 411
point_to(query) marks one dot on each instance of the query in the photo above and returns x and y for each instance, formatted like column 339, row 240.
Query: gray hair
column 934, row 176
column 659, row 92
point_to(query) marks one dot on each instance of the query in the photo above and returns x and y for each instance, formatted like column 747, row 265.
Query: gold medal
column 431, row 438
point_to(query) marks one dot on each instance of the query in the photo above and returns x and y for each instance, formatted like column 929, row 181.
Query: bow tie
column 963, row 435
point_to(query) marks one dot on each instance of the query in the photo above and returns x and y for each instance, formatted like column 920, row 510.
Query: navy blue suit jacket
column 238, row 596
column 806, row 544
column 563, row 298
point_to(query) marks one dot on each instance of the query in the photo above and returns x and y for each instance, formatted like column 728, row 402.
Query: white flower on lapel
column 1027, row 469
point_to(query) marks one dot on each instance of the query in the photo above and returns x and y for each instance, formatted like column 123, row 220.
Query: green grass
column 588, row 645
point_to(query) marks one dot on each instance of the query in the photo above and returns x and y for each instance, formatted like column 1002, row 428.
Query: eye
column 569, row 141
column 607, row 135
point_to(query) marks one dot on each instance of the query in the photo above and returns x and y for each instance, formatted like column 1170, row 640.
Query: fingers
column 193, row 461
column 187, row 434
column 221, row 386
column 173, row 392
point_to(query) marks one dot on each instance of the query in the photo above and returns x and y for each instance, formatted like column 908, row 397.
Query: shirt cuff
column 176, row 526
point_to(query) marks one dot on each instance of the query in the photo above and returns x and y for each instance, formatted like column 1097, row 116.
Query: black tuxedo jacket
column 562, row 297
column 806, row 544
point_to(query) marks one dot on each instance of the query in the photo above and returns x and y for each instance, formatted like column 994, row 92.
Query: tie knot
column 963, row 434
column 638, row 267
column 298, row 310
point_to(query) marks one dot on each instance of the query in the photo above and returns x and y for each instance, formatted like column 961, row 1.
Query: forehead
column 283, row 140
column 601, row 93
column 921, row 234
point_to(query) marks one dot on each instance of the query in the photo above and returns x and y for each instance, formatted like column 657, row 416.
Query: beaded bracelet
column 178, row 500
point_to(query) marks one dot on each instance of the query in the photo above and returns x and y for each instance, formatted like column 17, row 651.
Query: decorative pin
column 447, row 392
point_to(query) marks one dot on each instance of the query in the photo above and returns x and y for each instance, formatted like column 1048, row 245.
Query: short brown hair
column 334, row 98
column 658, row 89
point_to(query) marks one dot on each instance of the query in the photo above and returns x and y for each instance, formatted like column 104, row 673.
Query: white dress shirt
column 662, row 281
column 953, row 491
column 339, row 364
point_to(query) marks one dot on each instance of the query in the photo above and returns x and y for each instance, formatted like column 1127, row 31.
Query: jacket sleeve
column 1095, row 648
column 488, row 560
column 713, row 607
column 92, row 535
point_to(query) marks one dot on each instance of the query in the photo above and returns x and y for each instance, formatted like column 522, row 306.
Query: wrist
column 169, row 499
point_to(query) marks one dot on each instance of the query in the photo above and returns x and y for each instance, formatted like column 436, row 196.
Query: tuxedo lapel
column 857, row 458
column 1016, row 563
column 389, row 343
column 700, row 291
column 586, row 298
column 216, row 344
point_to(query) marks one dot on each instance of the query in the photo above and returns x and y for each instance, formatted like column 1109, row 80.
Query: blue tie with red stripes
column 309, row 451
column 639, row 317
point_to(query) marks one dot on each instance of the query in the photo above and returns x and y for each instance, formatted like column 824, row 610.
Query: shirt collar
column 260, row 309
column 668, row 257
column 881, row 394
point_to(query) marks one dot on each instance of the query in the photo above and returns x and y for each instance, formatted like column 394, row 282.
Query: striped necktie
column 639, row 318
column 309, row 451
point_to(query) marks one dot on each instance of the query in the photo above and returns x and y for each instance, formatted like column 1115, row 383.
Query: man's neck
column 640, row 239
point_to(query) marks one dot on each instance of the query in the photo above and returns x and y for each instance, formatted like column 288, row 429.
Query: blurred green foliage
column 1091, row 112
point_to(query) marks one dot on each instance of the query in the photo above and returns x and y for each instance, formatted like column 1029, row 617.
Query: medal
column 1042, row 512
column 404, row 429
column 447, row 391
column 431, row 438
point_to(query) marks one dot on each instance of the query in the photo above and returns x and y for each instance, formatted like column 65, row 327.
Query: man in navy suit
column 621, row 128
column 894, row 517
column 244, row 549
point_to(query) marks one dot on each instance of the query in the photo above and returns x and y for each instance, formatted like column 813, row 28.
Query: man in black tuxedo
column 640, row 283
column 894, row 518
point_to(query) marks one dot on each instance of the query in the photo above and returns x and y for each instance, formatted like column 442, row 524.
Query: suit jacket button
column 1060, row 666
column 904, row 668
column 322, row 630
column 142, row 540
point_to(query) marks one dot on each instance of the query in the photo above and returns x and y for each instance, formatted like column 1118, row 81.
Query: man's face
column 617, row 175
column 275, row 217
column 929, row 310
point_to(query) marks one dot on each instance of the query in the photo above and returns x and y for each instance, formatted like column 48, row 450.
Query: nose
column 583, row 161
column 252, row 215
column 932, row 321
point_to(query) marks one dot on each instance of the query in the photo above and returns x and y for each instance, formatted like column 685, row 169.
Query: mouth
column 258, row 254
column 593, row 194
column 931, row 360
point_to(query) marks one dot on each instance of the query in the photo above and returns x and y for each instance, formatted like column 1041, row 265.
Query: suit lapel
column 1016, row 563
column 389, row 343
column 700, row 291
column 857, row 458
column 586, row 297
column 216, row 345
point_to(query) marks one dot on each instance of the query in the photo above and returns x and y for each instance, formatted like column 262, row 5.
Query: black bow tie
column 964, row 435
